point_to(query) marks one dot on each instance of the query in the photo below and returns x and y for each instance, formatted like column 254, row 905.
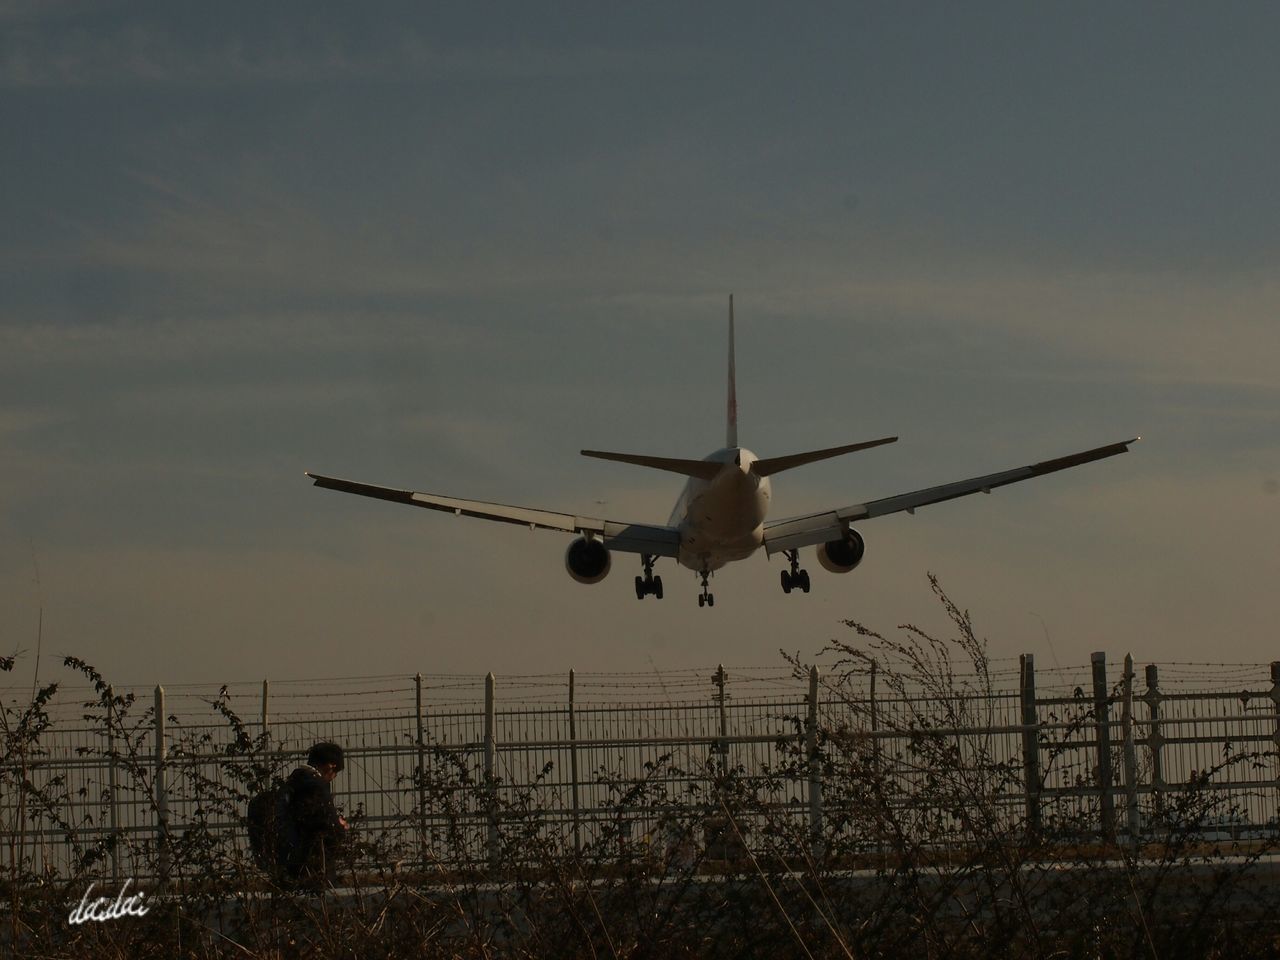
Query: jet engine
column 587, row 561
column 841, row 556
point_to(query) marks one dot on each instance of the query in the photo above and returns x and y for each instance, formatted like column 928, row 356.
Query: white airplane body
column 722, row 520
column 721, row 514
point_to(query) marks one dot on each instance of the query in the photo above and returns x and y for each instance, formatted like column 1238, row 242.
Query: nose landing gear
column 648, row 584
column 705, row 598
column 795, row 577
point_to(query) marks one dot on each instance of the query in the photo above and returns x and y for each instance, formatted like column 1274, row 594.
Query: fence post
column 422, row 769
column 112, row 814
column 1130, row 758
column 722, row 746
column 490, row 751
column 266, row 728
column 874, row 713
column 1102, row 723
column 1275, row 700
column 1155, row 739
column 1030, row 741
column 815, row 767
column 161, row 781
column 573, row 768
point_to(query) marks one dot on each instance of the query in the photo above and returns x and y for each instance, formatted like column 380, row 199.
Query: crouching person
column 321, row 833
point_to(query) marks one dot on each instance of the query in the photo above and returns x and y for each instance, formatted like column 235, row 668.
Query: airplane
column 720, row 516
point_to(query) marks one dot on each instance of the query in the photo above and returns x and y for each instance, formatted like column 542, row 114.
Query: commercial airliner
column 720, row 516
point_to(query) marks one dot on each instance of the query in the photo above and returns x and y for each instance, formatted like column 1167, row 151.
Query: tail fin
column 731, row 434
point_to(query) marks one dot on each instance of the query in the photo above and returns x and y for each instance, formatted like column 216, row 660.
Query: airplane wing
column 658, row 541
column 830, row 525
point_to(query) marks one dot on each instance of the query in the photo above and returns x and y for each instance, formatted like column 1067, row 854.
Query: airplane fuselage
column 722, row 519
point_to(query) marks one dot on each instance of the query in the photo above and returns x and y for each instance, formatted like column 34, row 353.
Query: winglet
column 731, row 433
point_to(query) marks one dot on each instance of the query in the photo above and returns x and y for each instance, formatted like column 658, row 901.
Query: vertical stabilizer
column 731, row 436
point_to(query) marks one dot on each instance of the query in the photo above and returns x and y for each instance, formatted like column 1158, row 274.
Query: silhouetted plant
column 925, row 847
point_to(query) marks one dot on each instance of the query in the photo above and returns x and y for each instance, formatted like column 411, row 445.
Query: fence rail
column 439, row 772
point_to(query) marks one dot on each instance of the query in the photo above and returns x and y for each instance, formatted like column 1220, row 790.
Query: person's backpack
column 273, row 832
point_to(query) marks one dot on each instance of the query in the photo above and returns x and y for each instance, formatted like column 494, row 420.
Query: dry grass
column 931, row 864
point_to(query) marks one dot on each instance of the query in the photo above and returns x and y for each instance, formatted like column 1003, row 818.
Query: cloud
column 29, row 11
column 223, row 336
column 150, row 54
column 243, row 237
column 15, row 421
column 412, row 257
column 1147, row 326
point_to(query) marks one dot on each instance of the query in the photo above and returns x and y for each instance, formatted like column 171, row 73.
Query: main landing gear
column 648, row 584
column 705, row 598
column 795, row 577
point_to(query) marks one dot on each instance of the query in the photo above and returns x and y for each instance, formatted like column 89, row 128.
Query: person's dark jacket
column 319, row 829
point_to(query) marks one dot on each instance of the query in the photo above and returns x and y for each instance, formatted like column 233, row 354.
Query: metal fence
column 441, row 768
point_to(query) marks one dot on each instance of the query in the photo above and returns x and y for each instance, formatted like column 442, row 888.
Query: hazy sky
column 446, row 247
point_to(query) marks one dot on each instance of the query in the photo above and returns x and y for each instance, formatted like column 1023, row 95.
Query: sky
column 447, row 247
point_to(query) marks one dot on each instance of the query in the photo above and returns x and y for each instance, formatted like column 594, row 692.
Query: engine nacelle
column 587, row 561
column 841, row 556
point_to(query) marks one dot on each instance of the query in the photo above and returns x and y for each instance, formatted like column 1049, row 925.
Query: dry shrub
column 925, row 848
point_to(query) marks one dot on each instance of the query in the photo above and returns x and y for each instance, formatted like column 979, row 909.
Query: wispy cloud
column 147, row 54
column 226, row 335
column 1152, row 325
column 18, row 421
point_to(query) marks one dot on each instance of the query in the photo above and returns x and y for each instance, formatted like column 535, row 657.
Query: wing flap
column 642, row 538
column 626, row 537
column 829, row 525
column 803, row 532
column 931, row 495
column 543, row 519
column 983, row 484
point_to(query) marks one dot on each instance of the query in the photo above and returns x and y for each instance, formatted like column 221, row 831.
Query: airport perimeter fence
column 446, row 773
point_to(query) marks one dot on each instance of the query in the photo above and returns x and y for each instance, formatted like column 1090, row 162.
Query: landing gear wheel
column 648, row 584
column 795, row 577
column 705, row 597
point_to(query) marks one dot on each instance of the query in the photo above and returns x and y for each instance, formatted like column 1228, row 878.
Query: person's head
column 326, row 758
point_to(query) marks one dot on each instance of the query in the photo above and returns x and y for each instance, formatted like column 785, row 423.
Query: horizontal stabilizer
column 703, row 469
column 765, row 468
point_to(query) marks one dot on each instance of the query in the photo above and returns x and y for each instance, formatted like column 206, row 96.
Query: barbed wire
column 689, row 685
